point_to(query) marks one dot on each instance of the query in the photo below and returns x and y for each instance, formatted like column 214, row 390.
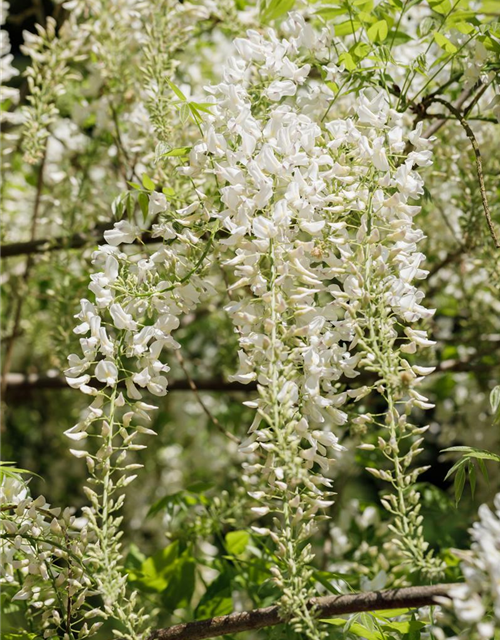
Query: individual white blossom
column 477, row 601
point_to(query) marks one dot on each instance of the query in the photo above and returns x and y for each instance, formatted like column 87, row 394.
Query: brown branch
column 325, row 607
column 442, row 116
column 468, row 108
column 75, row 241
column 420, row 110
column 460, row 101
column 21, row 383
column 479, row 165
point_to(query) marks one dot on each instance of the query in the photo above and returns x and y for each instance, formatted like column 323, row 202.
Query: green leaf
column 333, row 86
column 147, row 183
column 399, row 37
column 163, row 503
column 155, row 570
column 495, row 400
column 168, row 572
column 184, row 113
column 328, row 13
column 442, row 7
column 217, row 599
column 491, row 44
column 463, row 27
column 454, row 468
column 357, row 629
column 347, row 27
column 403, row 627
column 390, row 613
column 472, row 477
column 450, row 559
column 8, row 471
column 459, row 484
column 489, row 6
column 237, row 541
column 174, row 153
column 378, row 31
column 459, row 449
column 134, row 558
column 444, row 43
column 366, row 18
column 478, row 454
column 177, row 91
column 181, row 583
column 347, row 60
column 483, row 469
column 360, row 50
column 336, row 622
column 143, row 201
column 414, row 631
column 275, row 9
column 134, row 185
column 168, row 191
column 199, row 486
column 365, row 6
column 203, row 106
column 325, row 578
column 7, row 606
column 118, row 206
column 195, row 113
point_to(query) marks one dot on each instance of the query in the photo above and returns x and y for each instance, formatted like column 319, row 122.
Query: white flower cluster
column 7, row 71
column 323, row 247
column 47, row 77
column 138, row 301
column 477, row 601
column 135, row 312
column 42, row 552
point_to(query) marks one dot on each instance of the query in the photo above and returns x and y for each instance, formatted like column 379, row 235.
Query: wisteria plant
column 263, row 190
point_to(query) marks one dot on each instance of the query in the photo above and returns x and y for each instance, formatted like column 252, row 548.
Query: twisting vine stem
column 479, row 165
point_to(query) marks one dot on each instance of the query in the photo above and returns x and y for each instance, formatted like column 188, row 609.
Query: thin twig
column 479, row 165
column 441, row 116
column 324, row 607
column 468, row 109
column 462, row 98
column 202, row 404
column 121, row 148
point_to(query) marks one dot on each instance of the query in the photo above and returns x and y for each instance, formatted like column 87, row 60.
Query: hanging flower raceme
column 323, row 249
column 375, row 261
column 138, row 300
